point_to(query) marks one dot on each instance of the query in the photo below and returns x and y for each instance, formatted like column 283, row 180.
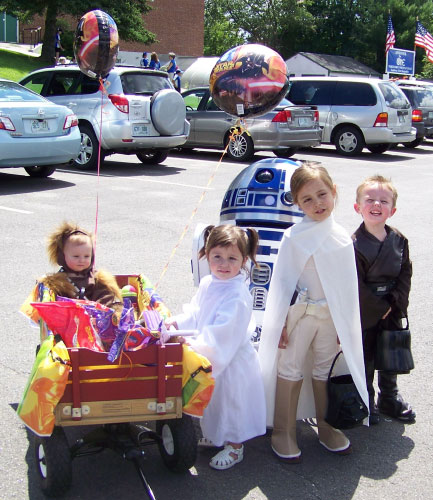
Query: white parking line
column 15, row 210
column 141, row 179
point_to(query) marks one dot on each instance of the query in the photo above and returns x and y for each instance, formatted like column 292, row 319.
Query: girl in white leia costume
column 300, row 336
column 221, row 311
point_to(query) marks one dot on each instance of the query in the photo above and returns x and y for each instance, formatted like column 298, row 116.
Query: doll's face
column 225, row 262
column 78, row 255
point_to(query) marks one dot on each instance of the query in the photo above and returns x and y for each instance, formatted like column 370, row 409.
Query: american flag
column 425, row 40
column 390, row 36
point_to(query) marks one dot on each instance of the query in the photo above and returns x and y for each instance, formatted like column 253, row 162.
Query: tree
column 220, row 34
column 126, row 13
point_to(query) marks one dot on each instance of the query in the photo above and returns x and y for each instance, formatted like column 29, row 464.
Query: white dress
column 221, row 311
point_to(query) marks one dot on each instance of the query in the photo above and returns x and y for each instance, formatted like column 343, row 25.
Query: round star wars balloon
column 96, row 44
column 249, row 80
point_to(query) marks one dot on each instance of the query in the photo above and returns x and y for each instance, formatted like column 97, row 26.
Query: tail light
column 70, row 121
column 6, row 124
column 416, row 115
column 283, row 116
column 120, row 101
column 381, row 120
column 316, row 116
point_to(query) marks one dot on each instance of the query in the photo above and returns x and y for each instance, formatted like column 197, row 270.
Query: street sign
column 400, row 62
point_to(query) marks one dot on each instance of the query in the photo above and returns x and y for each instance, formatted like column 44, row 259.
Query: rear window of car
column 311, row 92
column 354, row 94
column 394, row 97
column 419, row 98
column 12, row 92
column 143, row 83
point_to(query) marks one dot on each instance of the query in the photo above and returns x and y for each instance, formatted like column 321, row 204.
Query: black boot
column 390, row 402
column 374, row 417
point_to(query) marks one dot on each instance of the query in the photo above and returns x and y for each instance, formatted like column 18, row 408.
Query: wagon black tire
column 40, row 172
column 53, row 463
column 349, row 141
column 414, row 143
column 284, row 153
column 152, row 157
column 88, row 156
column 178, row 444
column 241, row 148
column 378, row 148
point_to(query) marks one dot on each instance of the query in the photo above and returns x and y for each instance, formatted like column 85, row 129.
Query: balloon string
column 103, row 91
column 237, row 129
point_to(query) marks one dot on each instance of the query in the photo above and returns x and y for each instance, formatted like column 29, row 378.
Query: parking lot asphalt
column 143, row 214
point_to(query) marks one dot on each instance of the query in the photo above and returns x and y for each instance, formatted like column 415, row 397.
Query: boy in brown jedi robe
column 71, row 247
column 384, row 277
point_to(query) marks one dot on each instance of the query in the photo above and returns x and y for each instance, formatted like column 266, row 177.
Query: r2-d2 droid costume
column 258, row 197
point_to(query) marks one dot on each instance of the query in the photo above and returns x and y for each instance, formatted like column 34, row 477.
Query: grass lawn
column 15, row 66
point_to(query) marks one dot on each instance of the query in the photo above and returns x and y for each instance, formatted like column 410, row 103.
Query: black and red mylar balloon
column 249, row 80
column 96, row 44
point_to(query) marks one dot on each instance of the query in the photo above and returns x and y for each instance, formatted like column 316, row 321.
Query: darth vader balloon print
column 96, row 44
column 249, row 80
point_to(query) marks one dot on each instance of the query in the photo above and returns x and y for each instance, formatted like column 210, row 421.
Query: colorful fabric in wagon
column 45, row 386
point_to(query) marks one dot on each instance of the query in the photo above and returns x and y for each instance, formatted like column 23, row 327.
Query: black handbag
column 346, row 409
column 393, row 352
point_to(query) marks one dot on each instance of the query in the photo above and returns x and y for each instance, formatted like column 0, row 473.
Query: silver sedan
column 282, row 130
column 35, row 133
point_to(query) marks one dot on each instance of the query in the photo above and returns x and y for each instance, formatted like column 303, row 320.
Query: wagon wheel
column 178, row 444
column 53, row 463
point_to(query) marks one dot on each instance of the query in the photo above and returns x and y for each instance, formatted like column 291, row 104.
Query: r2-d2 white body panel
column 259, row 197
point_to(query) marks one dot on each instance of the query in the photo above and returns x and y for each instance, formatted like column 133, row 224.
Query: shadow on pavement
column 22, row 183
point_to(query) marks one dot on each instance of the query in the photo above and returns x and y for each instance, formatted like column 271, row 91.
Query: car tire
column 40, row 171
column 284, row 153
column 152, row 157
column 378, row 148
column 168, row 112
column 241, row 147
column 88, row 156
column 414, row 143
column 349, row 141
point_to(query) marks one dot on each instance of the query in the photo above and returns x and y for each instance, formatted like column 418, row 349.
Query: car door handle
column 70, row 104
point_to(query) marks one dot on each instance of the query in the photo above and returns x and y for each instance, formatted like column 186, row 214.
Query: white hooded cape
column 333, row 253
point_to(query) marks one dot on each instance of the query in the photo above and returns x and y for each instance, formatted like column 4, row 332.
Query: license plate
column 401, row 118
column 430, row 114
column 40, row 126
column 304, row 122
column 140, row 130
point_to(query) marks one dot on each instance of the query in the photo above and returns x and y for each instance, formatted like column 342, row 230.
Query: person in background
column 171, row 67
column 384, row 279
column 57, row 44
column 177, row 81
column 154, row 61
column 144, row 61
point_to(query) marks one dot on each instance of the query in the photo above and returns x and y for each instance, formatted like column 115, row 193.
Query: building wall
column 178, row 26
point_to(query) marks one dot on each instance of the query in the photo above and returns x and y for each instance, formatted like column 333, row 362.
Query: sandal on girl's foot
column 205, row 443
column 224, row 460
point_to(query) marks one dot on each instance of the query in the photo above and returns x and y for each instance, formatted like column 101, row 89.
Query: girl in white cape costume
column 332, row 250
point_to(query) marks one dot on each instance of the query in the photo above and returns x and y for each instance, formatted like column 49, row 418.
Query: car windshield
column 394, row 97
column 143, row 83
column 12, row 92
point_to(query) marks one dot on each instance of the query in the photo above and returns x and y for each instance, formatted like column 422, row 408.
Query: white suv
column 356, row 112
column 141, row 112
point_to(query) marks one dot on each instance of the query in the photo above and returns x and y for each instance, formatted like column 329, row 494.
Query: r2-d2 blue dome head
column 260, row 195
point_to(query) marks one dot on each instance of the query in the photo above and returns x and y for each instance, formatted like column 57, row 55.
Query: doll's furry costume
column 99, row 286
